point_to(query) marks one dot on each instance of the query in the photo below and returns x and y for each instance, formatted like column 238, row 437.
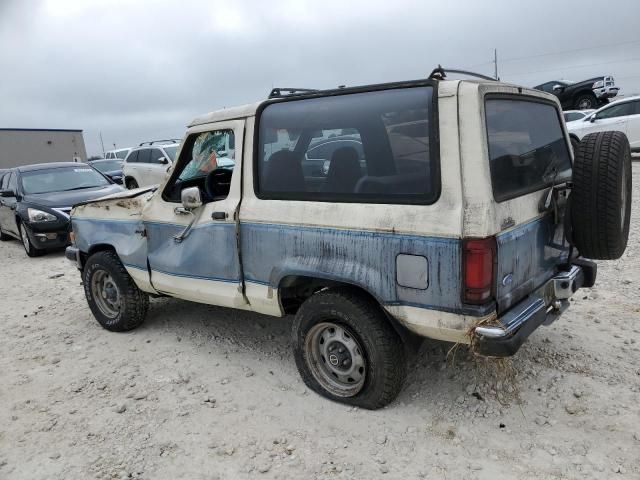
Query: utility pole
column 102, row 144
column 495, row 63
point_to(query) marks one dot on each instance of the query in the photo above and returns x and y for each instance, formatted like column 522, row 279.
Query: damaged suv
column 455, row 212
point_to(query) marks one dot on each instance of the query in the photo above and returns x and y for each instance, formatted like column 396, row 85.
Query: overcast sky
column 139, row 70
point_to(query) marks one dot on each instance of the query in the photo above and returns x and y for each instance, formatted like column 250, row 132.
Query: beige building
column 24, row 146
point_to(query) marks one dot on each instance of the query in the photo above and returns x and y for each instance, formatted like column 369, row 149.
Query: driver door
column 202, row 266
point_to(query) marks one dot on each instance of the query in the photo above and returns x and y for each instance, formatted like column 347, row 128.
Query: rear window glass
column 527, row 147
column 370, row 147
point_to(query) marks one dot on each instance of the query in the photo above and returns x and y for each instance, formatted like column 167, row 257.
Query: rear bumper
column 542, row 307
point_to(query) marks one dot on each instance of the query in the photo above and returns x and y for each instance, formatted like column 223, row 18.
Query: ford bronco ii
column 448, row 209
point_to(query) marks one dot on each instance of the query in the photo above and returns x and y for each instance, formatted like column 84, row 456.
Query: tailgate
column 528, row 154
column 527, row 256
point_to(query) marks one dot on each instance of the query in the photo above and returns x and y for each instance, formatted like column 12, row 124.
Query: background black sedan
column 35, row 202
column 110, row 168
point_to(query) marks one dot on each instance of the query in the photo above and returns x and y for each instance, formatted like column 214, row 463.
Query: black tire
column 574, row 144
column 31, row 250
column 132, row 303
column 585, row 101
column 601, row 195
column 384, row 368
column 131, row 183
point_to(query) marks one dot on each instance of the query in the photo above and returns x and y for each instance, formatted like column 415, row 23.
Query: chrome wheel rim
column 336, row 359
column 106, row 293
column 584, row 104
column 25, row 237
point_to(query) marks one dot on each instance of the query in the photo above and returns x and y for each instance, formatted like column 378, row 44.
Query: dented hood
column 124, row 194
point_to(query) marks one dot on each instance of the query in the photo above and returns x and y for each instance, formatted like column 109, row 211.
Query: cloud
column 137, row 70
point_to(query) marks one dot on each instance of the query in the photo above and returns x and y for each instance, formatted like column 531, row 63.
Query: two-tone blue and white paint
column 408, row 257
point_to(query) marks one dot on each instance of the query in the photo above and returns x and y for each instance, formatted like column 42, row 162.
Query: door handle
column 219, row 215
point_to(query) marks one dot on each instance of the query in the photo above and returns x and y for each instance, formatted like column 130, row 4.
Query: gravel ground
column 200, row 392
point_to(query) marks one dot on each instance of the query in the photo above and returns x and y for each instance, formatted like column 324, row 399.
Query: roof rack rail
column 280, row 92
column 153, row 142
column 440, row 73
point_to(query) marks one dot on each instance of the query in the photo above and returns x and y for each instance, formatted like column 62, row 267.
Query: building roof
column 39, row 130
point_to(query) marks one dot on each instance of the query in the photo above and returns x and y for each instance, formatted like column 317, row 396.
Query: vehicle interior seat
column 284, row 173
column 344, row 171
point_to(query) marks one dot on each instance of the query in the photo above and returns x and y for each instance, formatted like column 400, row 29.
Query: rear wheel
column 586, row 101
column 115, row 300
column 601, row 195
column 31, row 250
column 346, row 349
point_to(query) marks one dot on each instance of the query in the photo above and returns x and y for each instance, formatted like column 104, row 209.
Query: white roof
column 230, row 113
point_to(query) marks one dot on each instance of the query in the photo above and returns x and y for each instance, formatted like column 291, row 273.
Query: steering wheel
column 218, row 182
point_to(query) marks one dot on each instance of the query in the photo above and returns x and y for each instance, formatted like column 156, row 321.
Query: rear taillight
column 478, row 256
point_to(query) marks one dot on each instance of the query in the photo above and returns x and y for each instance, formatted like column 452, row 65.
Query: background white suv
column 622, row 115
column 118, row 154
column 148, row 164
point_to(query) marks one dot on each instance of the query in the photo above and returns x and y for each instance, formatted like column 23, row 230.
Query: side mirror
column 7, row 193
column 163, row 160
column 191, row 198
column 592, row 118
column 557, row 88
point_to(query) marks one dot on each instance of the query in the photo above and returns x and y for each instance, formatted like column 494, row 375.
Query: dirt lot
column 208, row 393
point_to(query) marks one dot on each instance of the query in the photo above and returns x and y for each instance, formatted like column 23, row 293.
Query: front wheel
column 131, row 183
column 115, row 300
column 346, row 349
column 586, row 101
column 31, row 250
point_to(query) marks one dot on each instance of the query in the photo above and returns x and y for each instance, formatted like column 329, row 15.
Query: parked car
column 573, row 115
column 622, row 115
column 587, row 94
column 110, row 168
column 453, row 231
column 148, row 164
column 120, row 153
column 35, row 201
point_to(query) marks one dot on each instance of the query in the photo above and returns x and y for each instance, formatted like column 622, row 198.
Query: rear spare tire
column 601, row 195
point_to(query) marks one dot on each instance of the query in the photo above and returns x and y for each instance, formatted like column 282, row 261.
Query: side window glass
column 202, row 154
column 368, row 147
column 331, row 145
column 5, row 181
column 210, row 150
column 121, row 154
column 155, row 155
column 13, row 182
column 616, row 111
column 144, row 156
column 133, row 157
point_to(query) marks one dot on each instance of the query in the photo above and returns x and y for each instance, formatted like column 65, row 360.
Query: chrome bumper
column 542, row 307
column 73, row 253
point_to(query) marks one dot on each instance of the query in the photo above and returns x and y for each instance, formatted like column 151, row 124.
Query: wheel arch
column 98, row 247
column 295, row 288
